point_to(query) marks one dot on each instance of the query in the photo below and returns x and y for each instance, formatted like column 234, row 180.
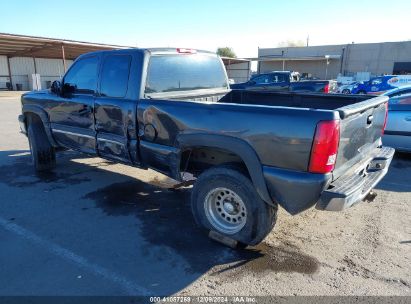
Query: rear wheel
column 42, row 152
column 225, row 200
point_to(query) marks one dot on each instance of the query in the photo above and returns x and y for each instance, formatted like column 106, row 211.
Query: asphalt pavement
column 93, row 227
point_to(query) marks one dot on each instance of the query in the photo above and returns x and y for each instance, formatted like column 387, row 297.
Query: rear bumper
column 295, row 191
column 22, row 124
column 349, row 190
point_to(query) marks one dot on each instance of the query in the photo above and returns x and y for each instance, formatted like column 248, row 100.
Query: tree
column 291, row 43
column 226, row 52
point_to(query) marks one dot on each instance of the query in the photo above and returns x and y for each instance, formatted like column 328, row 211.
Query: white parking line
column 130, row 287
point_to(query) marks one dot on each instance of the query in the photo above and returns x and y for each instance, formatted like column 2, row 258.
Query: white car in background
column 346, row 88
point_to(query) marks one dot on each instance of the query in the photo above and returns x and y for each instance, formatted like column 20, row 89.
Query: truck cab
column 276, row 80
column 285, row 81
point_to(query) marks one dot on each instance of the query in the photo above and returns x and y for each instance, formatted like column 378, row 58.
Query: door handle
column 369, row 119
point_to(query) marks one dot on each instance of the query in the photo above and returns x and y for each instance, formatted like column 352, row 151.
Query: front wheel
column 225, row 200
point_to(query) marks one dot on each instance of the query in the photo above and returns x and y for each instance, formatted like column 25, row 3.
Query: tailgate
column 360, row 132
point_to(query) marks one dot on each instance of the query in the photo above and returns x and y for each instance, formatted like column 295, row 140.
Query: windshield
column 170, row 73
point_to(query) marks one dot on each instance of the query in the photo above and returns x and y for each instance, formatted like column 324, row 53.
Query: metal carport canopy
column 12, row 45
column 295, row 58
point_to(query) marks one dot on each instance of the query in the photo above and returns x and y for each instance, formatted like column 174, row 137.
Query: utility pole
column 327, row 62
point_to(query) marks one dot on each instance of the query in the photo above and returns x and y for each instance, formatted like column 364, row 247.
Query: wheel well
column 198, row 159
column 32, row 117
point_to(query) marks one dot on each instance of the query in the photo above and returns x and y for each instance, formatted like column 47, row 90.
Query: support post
column 36, row 85
column 228, row 68
column 64, row 58
column 327, row 62
column 9, row 70
column 342, row 61
column 35, row 65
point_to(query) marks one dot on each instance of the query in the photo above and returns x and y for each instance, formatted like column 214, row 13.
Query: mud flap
column 183, row 184
column 225, row 240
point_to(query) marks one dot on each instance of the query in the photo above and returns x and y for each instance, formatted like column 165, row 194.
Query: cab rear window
column 171, row 73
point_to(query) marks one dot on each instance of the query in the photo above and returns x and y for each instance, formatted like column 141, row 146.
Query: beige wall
column 240, row 72
column 376, row 58
column 315, row 67
column 22, row 67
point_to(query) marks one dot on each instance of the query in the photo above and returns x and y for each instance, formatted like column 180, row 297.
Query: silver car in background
column 346, row 88
column 398, row 130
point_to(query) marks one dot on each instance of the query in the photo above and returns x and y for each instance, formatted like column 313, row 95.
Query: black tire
column 362, row 93
column 346, row 91
column 42, row 152
column 260, row 217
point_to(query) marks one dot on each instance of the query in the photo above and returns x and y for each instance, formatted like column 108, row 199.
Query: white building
column 28, row 62
column 329, row 61
column 237, row 69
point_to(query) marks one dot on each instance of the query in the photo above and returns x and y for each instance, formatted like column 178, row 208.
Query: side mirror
column 56, row 87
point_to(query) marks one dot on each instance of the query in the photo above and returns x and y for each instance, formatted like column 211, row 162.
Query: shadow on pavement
column 398, row 179
column 166, row 220
column 164, row 224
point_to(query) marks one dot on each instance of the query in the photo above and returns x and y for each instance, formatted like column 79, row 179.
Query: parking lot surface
column 93, row 227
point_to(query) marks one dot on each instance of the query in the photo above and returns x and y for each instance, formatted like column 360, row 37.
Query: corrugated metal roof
column 229, row 60
column 294, row 58
column 12, row 45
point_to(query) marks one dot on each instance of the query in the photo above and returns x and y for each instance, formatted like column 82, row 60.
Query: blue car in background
column 381, row 84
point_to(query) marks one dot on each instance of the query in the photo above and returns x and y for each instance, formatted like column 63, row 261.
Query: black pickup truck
column 172, row 110
column 285, row 81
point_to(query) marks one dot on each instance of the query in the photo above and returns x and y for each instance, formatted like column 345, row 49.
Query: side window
column 82, row 76
column 396, row 94
column 402, row 92
column 376, row 81
column 261, row 79
column 400, row 100
column 277, row 78
column 114, row 76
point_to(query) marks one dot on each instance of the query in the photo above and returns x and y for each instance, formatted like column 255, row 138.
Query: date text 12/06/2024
column 204, row 299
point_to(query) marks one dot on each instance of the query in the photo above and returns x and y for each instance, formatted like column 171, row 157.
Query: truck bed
column 357, row 138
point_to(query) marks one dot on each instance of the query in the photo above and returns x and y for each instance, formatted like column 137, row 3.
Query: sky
column 209, row 24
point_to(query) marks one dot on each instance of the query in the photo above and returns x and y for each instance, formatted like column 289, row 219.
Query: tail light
column 186, row 51
column 325, row 146
column 385, row 119
column 327, row 88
